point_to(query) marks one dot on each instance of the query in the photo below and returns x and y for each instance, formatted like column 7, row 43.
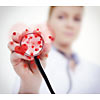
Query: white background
column 87, row 45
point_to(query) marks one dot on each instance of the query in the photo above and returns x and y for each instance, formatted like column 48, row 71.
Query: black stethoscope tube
column 43, row 75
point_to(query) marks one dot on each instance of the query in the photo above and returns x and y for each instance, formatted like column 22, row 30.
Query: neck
column 65, row 48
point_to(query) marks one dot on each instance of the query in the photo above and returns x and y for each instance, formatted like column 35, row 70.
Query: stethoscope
column 35, row 44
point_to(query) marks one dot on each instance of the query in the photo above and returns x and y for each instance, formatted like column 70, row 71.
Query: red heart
column 21, row 49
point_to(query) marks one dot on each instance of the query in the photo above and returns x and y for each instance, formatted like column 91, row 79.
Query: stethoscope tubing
column 37, row 61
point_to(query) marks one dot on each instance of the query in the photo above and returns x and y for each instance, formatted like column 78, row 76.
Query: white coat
column 85, row 78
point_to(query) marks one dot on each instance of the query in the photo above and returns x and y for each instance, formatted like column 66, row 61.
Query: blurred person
column 66, row 71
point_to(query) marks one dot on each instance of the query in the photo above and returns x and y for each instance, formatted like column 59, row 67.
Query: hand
column 30, row 79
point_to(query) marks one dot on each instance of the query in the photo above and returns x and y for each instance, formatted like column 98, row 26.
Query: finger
column 16, row 37
column 33, row 66
column 12, row 45
column 19, row 28
column 46, row 49
column 15, row 58
column 19, row 65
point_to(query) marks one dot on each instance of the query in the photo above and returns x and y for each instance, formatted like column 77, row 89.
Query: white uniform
column 85, row 78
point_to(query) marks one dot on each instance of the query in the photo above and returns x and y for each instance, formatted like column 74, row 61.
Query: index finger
column 17, row 30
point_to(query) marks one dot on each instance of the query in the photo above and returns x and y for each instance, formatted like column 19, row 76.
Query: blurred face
column 65, row 23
